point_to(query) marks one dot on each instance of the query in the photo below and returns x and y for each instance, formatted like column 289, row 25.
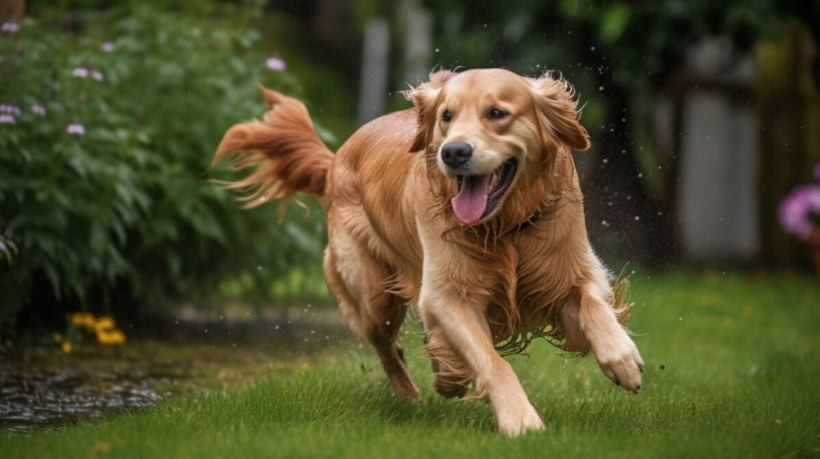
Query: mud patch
column 43, row 388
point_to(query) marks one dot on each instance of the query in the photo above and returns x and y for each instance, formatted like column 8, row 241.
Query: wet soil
column 44, row 388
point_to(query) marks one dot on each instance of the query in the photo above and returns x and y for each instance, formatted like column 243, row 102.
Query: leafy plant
column 109, row 127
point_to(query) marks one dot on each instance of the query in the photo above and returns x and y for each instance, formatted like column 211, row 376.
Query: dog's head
column 493, row 133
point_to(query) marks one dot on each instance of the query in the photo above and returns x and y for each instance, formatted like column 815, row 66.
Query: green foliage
column 632, row 45
column 124, row 213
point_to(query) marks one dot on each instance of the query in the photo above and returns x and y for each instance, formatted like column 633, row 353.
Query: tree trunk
column 12, row 11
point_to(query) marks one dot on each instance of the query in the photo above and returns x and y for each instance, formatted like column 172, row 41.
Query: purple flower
column 800, row 210
column 2, row 247
column 5, row 118
column 276, row 63
column 97, row 75
column 10, row 27
column 38, row 110
column 10, row 109
column 108, row 47
column 75, row 128
column 80, row 72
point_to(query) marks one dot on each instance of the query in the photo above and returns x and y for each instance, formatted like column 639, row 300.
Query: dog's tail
column 283, row 149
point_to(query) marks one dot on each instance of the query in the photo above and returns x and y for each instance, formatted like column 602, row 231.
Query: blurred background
column 704, row 118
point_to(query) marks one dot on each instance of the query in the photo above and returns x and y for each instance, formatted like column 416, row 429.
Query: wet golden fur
column 393, row 240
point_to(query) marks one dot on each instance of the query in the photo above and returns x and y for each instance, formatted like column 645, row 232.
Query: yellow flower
column 58, row 338
column 67, row 347
column 105, row 323
column 82, row 319
column 110, row 337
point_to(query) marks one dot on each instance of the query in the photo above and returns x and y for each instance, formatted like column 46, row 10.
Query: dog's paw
column 622, row 363
column 514, row 423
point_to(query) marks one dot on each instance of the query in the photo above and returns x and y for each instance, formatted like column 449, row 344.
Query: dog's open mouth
column 479, row 195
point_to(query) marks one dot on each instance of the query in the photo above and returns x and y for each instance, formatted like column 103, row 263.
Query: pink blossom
column 75, row 128
column 38, row 110
column 97, row 75
column 5, row 118
column 276, row 63
column 800, row 210
column 108, row 47
column 11, row 109
column 10, row 27
column 80, row 72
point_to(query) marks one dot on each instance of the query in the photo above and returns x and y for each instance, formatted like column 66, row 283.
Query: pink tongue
column 471, row 201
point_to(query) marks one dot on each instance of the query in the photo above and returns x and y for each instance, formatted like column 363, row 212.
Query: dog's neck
column 535, row 216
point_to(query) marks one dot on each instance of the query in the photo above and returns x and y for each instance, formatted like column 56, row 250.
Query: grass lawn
column 732, row 370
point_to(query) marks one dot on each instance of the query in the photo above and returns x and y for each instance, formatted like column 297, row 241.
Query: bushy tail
column 283, row 149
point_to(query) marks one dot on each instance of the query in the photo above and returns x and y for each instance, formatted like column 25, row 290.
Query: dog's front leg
column 464, row 330
column 591, row 319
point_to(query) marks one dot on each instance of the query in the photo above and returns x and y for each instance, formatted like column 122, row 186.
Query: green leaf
column 613, row 22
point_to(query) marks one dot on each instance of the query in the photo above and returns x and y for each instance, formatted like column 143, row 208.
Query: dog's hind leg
column 386, row 316
column 451, row 377
column 374, row 314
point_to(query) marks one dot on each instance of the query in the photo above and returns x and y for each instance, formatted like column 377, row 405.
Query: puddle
column 46, row 389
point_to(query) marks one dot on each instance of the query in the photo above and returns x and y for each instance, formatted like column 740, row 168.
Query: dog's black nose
column 456, row 154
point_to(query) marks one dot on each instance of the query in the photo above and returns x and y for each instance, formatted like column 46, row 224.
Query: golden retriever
column 467, row 208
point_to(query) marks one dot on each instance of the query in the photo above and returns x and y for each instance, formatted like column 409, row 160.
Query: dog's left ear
column 557, row 111
column 425, row 98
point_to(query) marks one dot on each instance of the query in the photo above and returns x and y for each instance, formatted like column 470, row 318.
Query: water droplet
column 637, row 218
column 436, row 49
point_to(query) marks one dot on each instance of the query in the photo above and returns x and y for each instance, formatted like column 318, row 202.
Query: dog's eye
column 447, row 116
column 496, row 113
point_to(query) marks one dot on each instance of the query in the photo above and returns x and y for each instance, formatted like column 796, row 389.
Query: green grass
column 733, row 364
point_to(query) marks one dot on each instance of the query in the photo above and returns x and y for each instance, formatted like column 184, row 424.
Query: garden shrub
column 109, row 122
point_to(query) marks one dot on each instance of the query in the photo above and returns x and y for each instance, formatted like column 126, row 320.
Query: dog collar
column 535, row 215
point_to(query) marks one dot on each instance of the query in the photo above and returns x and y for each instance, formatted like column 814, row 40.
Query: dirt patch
column 44, row 388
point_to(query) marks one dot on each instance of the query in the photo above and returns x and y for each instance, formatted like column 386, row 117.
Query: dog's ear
column 425, row 98
column 557, row 111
